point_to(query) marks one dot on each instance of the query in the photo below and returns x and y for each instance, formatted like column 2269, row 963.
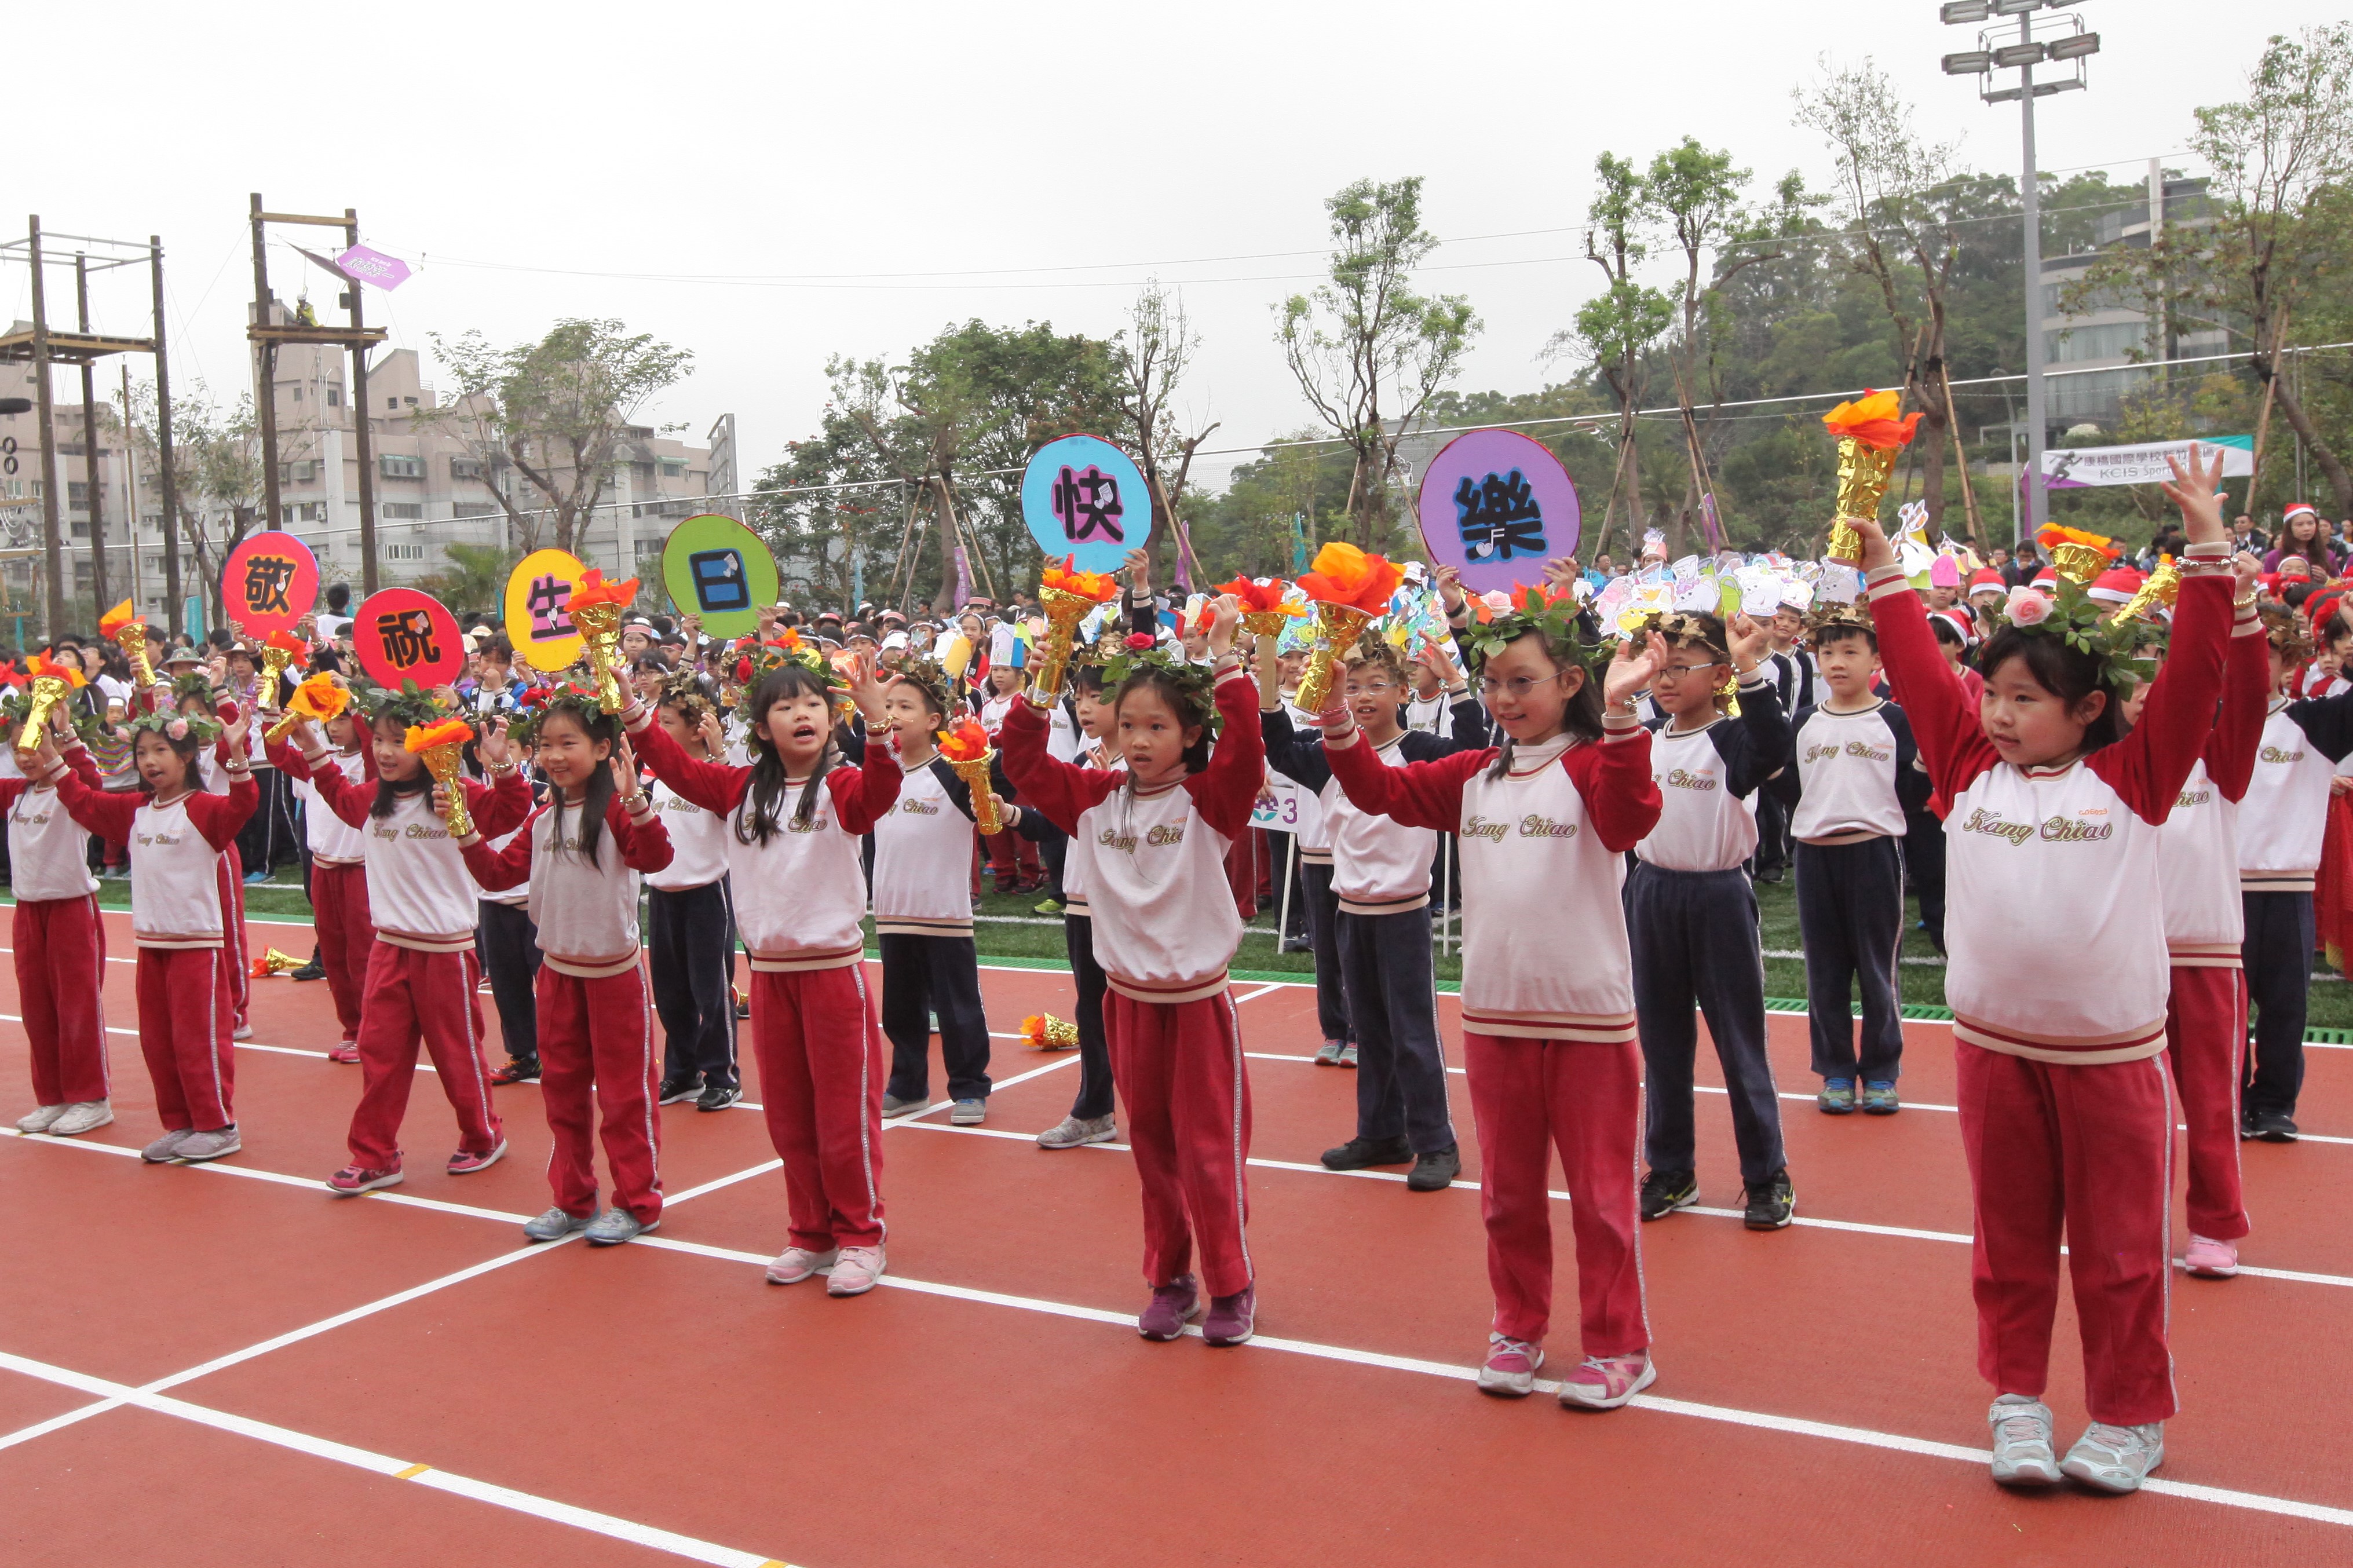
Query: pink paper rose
column 2026, row 608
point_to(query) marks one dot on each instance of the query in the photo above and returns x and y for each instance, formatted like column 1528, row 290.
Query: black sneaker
column 1664, row 1192
column 1772, row 1208
column 314, row 970
column 674, row 1090
column 1357, row 1154
column 1435, row 1170
column 519, row 1069
column 718, row 1097
column 2270, row 1126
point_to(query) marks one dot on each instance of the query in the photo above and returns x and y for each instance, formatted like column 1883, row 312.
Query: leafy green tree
column 1615, row 329
column 475, row 580
column 1367, row 350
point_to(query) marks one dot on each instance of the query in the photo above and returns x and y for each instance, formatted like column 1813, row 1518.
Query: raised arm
column 714, row 786
column 1287, row 753
column 218, row 816
column 1621, row 799
column 1226, row 792
column 864, row 797
column 644, row 840
column 2246, row 703
column 496, row 807
column 496, row 870
column 1061, row 790
column 1419, row 795
column 1766, row 729
column 1949, row 733
column 2148, row 766
column 107, row 813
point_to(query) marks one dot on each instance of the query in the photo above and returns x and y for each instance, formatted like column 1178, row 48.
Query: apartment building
column 2104, row 341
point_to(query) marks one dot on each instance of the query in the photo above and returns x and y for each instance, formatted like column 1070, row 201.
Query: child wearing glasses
column 1690, row 911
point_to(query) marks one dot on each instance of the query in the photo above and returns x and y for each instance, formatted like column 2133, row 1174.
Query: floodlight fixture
column 2015, row 8
column 1957, row 11
column 2077, row 48
column 2011, row 54
column 1974, row 62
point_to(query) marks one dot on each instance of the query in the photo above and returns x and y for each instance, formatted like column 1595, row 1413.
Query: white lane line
column 606, row 1524
column 1254, row 995
column 910, row 1117
column 1759, row 1420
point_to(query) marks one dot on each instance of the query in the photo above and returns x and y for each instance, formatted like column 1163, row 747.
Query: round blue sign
column 1085, row 499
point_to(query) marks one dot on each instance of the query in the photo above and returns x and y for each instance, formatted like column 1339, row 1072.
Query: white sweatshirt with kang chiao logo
column 2285, row 817
column 2198, row 853
column 1708, row 778
column 2054, row 921
column 1851, row 775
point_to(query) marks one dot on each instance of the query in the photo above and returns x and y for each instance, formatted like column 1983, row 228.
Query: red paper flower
column 1344, row 575
column 1142, row 642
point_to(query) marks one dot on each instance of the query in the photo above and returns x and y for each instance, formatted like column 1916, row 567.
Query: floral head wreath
column 196, row 683
column 410, row 706
column 1140, row 651
column 2288, row 639
column 533, row 706
column 1828, row 616
column 753, row 659
column 1551, row 613
column 683, row 689
column 2070, row 613
column 174, row 725
column 1685, row 628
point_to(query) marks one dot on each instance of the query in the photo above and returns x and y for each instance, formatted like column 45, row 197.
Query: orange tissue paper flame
column 1033, row 1030
column 320, row 697
column 288, row 642
column 2052, row 534
column 1265, row 597
column 41, row 664
column 592, row 590
column 115, row 620
column 1344, row 575
column 448, row 733
column 967, row 742
column 1870, row 419
column 1096, row 585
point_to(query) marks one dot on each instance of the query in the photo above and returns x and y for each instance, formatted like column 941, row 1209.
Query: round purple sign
column 1496, row 506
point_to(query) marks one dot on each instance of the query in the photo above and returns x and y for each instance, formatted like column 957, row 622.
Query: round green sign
column 716, row 568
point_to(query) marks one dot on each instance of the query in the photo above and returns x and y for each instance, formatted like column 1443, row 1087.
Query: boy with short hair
column 1847, row 788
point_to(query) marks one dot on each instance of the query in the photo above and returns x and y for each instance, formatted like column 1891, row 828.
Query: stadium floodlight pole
column 2023, row 55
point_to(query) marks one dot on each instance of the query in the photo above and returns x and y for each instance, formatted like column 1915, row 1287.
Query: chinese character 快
column 266, row 577
column 1087, row 503
column 1499, row 517
column 407, row 638
column 547, row 600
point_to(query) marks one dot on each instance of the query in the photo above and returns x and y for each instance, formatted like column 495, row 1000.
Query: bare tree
column 1616, row 328
column 1152, row 354
column 1366, row 350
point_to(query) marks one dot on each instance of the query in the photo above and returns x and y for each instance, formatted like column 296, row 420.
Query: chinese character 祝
column 547, row 601
column 1088, row 504
column 266, row 577
column 407, row 638
column 1499, row 517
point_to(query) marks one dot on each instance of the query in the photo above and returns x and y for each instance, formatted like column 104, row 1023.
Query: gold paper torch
column 52, row 684
column 967, row 750
column 438, row 746
column 2163, row 587
column 1045, row 1031
column 1348, row 588
column 1869, row 435
column 130, row 633
column 1337, row 628
column 1067, row 598
column 596, row 610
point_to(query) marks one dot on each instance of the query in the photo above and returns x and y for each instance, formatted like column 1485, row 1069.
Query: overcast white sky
column 1045, row 157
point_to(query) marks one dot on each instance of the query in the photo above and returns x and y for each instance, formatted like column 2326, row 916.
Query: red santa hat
column 1958, row 622
column 1985, row 579
column 2298, row 508
column 2047, row 580
column 2116, row 586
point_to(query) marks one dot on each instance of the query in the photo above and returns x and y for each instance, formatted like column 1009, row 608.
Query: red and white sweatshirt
column 2054, row 922
column 2198, row 851
column 419, row 893
column 48, row 851
column 800, row 898
column 1153, row 862
column 175, row 850
column 1094, row 756
column 1542, row 847
column 585, row 910
column 2284, row 819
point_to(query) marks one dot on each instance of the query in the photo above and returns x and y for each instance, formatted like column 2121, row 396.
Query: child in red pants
column 339, row 900
column 177, row 834
column 60, row 946
column 423, row 977
column 1149, row 843
column 2057, row 977
column 582, row 854
column 1548, row 1029
column 794, row 820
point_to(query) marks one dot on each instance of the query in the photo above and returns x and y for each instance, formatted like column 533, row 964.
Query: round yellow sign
column 539, row 594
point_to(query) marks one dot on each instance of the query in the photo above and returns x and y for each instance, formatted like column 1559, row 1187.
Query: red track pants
column 821, row 1072
column 339, row 898
column 61, row 977
column 412, row 993
column 185, row 1020
column 2206, row 1042
column 1179, row 1067
column 596, row 1075
column 1528, row 1096
column 2092, row 1146
column 232, row 892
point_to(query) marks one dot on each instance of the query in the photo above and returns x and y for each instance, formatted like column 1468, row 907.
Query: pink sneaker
column 347, row 1053
column 2211, row 1260
column 855, row 1271
column 353, row 1180
column 1172, row 1305
column 1605, row 1383
column 795, row 1264
column 465, row 1162
column 1511, row 1369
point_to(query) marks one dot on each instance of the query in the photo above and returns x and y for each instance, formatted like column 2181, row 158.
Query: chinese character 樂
column 407, row 638
column 547, row 601
column 266, row 577
column 1087, row 502
column 1499, row 517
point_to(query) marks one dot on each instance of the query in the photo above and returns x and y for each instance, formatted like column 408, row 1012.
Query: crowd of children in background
column 2120, row 866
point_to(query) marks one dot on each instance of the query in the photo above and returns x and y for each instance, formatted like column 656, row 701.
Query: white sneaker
column 1073, row 1131
column 40, row 1119
column 2115, row 1458
column 855, row 1271
column 968, row 1113
column 795, row 1264
column 1511, row 1368
column 242, row 1032
column 82, row 1116
column 2022, row 1455
column 198, row 1147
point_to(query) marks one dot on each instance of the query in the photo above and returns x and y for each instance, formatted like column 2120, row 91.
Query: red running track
column 227, row 1365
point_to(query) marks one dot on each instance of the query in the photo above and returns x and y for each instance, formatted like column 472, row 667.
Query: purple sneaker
column 1230, row 1317
column 1172, row 1305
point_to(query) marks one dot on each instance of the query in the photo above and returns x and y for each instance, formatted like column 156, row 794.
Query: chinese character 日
column 407, row 637
column 266, row 577
column 547, row 599
column 1088, row 504
column 1499, row 517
